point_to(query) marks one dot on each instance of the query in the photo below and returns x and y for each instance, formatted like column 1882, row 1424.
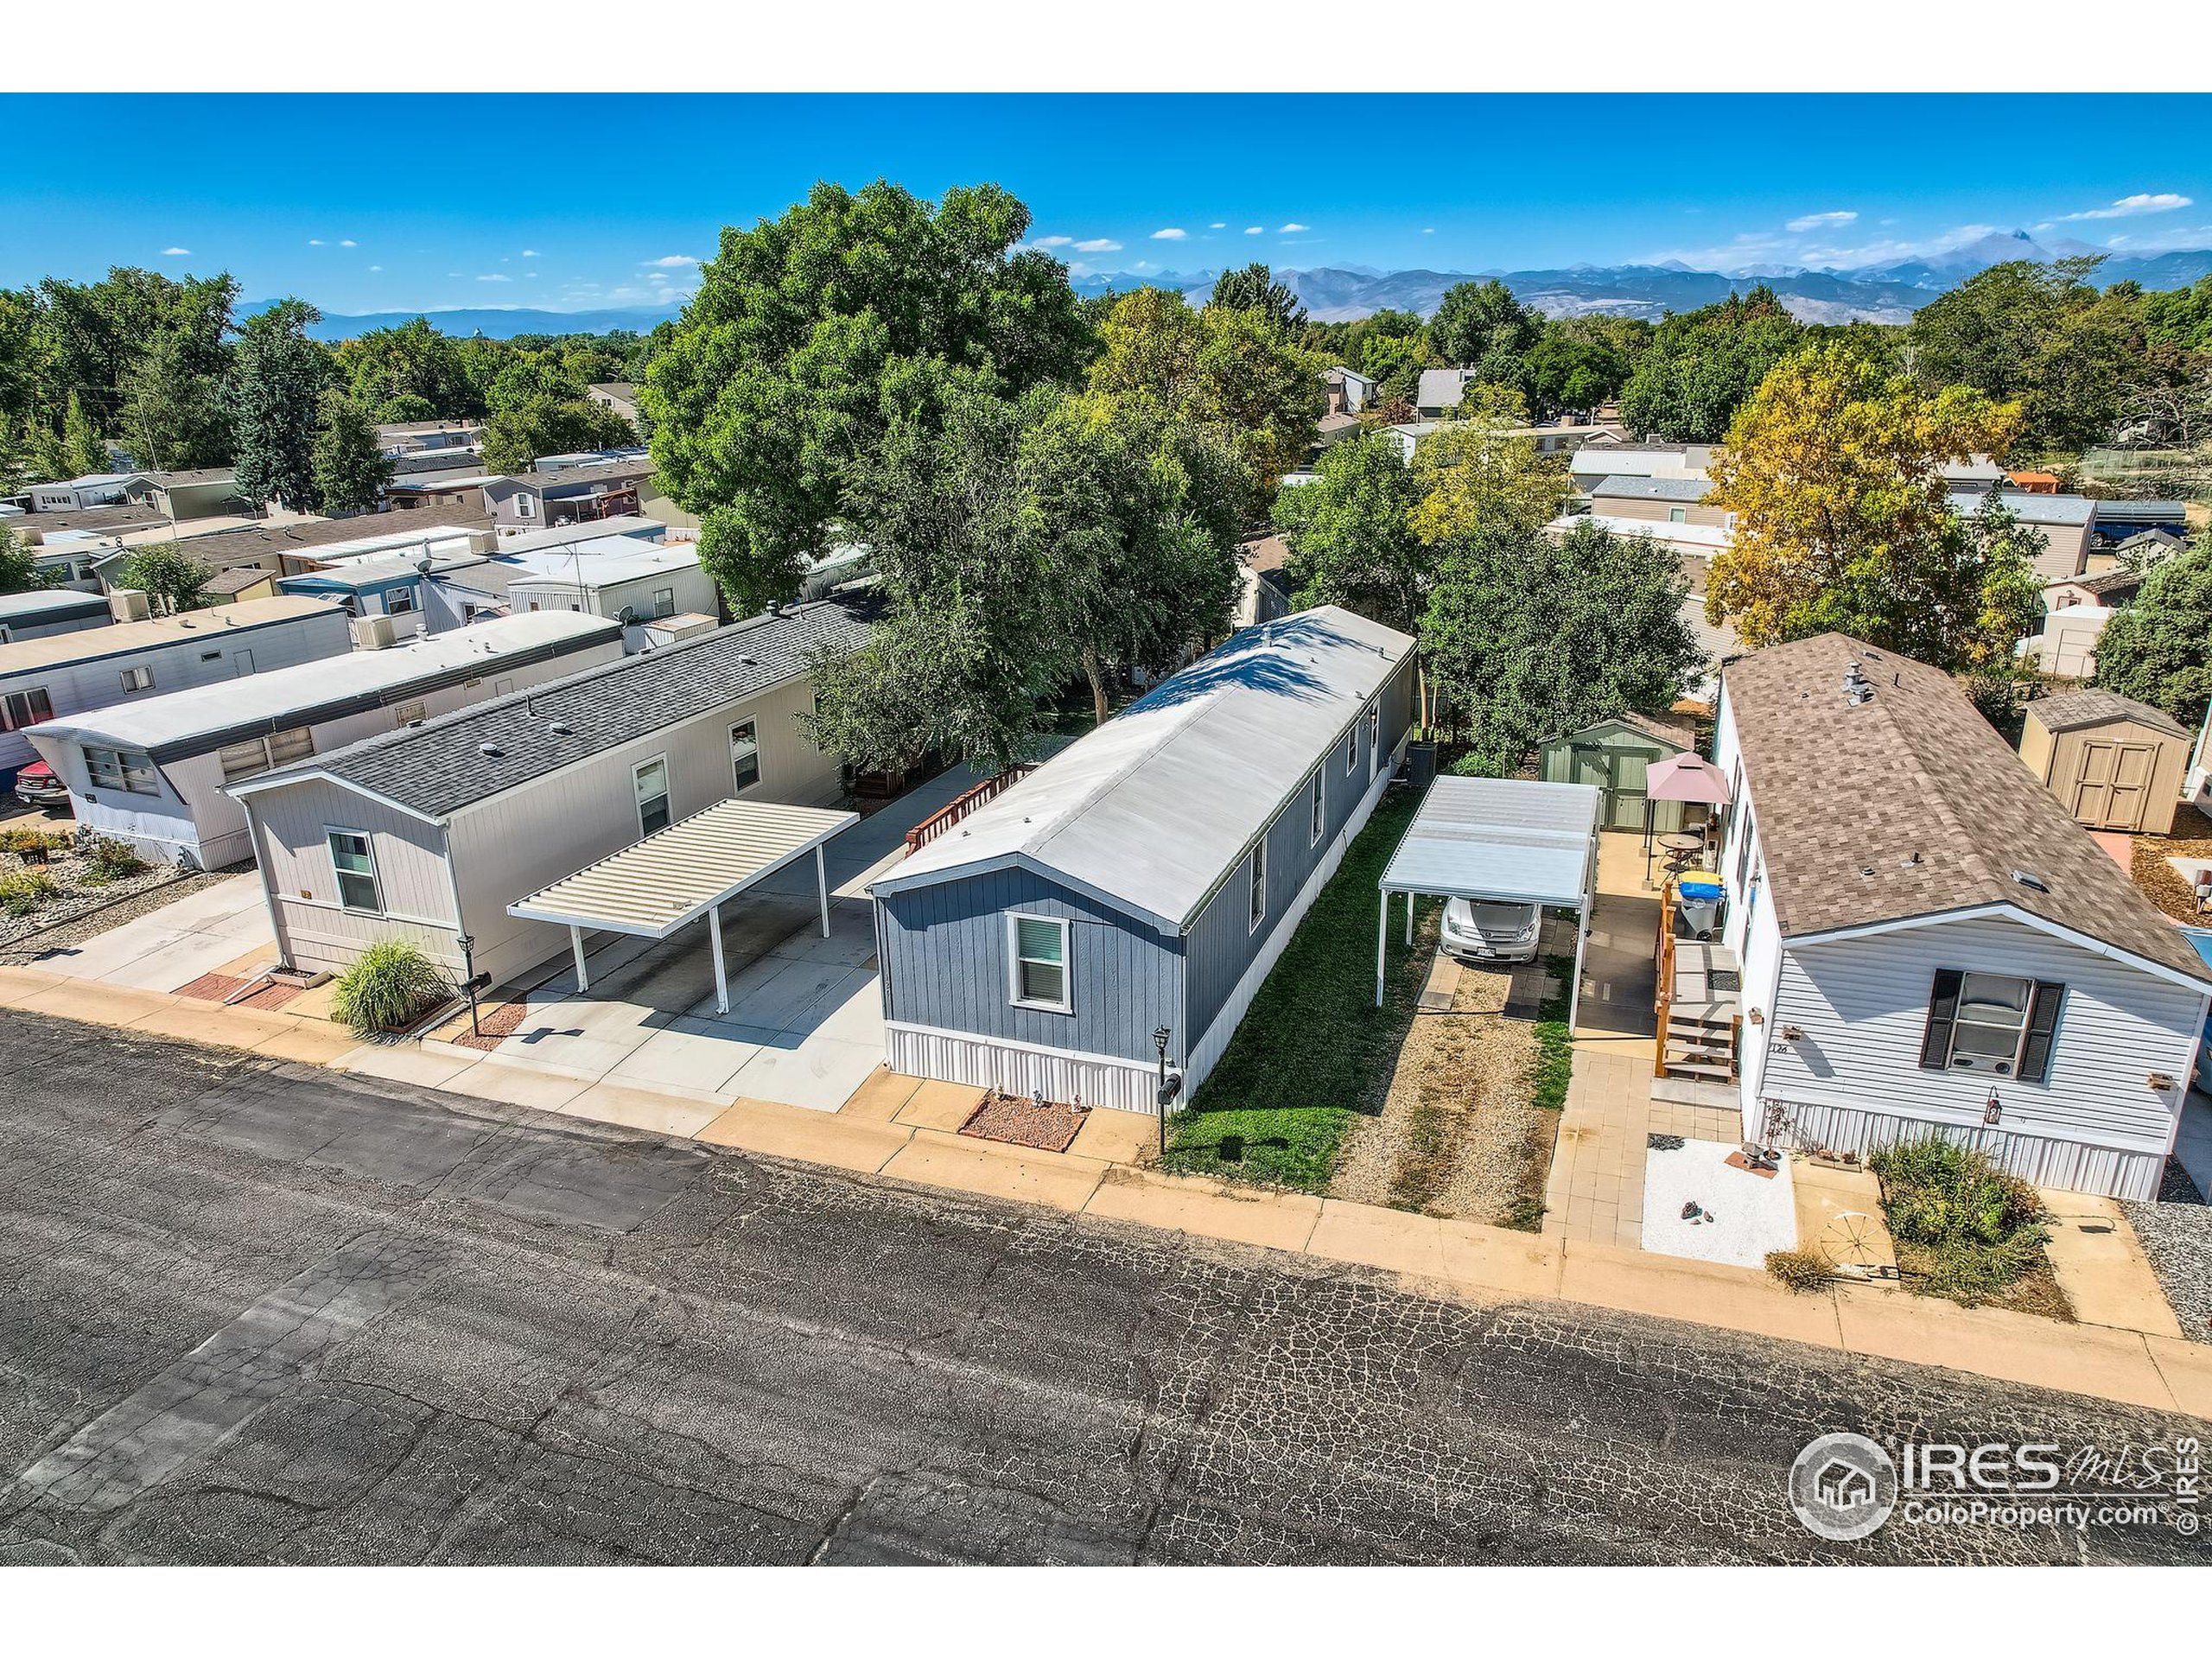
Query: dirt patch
column 1022, row 1120
column 494, row 1023
column 1458, row 1135
column 2159, row 881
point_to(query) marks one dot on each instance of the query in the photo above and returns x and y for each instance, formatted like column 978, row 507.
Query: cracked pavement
column 254, row 1312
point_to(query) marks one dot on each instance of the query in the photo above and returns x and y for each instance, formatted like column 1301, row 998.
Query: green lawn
column 1313, row 1048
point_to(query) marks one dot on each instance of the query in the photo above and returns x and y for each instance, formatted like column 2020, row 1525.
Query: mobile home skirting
column 2069, row 1166
column 1021, row 1068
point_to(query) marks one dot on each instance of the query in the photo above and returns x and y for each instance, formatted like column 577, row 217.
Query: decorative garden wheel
column 1852, row 1239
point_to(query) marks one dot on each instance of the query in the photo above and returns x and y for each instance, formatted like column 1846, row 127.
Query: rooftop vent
column 490, row 751
column 2030, row 879
column 1857, row 689
column 560, row 728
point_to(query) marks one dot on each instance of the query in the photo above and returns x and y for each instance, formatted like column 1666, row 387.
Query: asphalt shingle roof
column 2094, row 706
column 1630, row 487
column 443, row 766
column 1910, row 804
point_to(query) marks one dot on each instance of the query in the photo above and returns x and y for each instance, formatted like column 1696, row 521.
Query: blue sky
column 366, row 203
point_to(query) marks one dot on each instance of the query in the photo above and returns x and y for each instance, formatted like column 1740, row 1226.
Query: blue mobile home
column 1147, row 876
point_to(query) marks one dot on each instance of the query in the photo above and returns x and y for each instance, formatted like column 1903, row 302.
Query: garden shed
column 2113, row 762
column 1611, row 756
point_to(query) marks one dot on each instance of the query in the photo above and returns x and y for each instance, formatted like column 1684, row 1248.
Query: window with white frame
column 1352, row 749
column 664, row 602
column 22, row 708
column 1317, row 806
column 354, row 862
column 137, row 679
column 131, row 771
column 1259, row 884
column 258, row 754
column 649, row 781
column 399, row 602
column 1039, row 945
column 744, row 754
column 525, row 507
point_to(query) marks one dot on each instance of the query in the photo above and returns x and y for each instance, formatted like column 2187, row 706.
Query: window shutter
column 2042, row 1026
column 1943, row 1014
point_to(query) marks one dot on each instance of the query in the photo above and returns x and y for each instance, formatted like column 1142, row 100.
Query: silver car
column 1491, row 932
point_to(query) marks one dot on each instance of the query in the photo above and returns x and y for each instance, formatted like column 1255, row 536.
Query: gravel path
column 158, row 887
column 2176, row 1235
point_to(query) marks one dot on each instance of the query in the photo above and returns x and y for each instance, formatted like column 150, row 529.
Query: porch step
column 1722, row 1073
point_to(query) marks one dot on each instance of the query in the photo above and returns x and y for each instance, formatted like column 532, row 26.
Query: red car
column 36, row 786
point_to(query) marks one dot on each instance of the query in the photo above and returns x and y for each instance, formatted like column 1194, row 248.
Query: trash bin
column 1698, row 894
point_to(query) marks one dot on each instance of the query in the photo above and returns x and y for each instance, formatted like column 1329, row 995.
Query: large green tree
column 1480, row 471
column 275, row 393
column 1480, row 325
column 1255, row 288
column 542, row 425
column 173, row 413
column 2158, row 650
column 170, row 577
column 350, row 469
column 1566, row 372
column 412, row 372
column 1350, row 536
column 1531, row 633
column 19, row 571
column 790, row 363
column 1703, row 364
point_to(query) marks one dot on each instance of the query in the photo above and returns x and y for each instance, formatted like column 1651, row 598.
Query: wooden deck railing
column 949, row 814
column 1664, row 1001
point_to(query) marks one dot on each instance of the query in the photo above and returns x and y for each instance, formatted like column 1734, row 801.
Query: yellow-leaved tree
column 1841, row 518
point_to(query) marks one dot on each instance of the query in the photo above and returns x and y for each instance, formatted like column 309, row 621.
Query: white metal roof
column 1660, row 529
column 1500, row 838
column 279, row 693
column 674, row 876
column 630, row 525
column 1155, row 808
column 602, row 565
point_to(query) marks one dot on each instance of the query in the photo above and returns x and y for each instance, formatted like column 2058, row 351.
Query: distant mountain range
column 1878, row 293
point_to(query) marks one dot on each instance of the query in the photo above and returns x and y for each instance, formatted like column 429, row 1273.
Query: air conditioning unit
column 128, row 605
column 373, row 633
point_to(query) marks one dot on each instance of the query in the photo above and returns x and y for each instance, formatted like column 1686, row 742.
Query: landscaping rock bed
column 2177, row 1234
column 78, row 900
column 1022, row 1121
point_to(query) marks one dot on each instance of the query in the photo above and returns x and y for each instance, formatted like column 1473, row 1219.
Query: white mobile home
column 1928, row 944
column 153, row 773
column 70, row 673
column 45, row 610
column 633, row 583
column 429, row 833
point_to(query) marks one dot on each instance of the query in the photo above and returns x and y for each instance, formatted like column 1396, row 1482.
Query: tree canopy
column 1351, row 536
column 1703, row 364
column 1478, row 472
column 1255, row 288
column 350, row 470
column 275, row 400
column 812, row 333
column 1842, row 519
column 2158, row 650
column 170, row 577
column 1480, row 325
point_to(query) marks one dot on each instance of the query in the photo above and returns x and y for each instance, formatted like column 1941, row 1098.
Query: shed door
column 2115, row 786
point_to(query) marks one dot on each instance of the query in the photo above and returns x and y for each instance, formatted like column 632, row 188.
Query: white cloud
column 495, row 277
column 1805, row 222
column 315, row 241
column 672, row 261
column 376, row 267
column 1255, row 230
column 1293, row 229
column 349, row 242
column 1218, row 225
column 1772, row 247
column 1428, row 230
column 176, row 253
column 1098, row 244
column 1172, row 233
column 656, row 276
column 2129, row 206
column 529, row 253
column 529, row 275
column 1053, row 242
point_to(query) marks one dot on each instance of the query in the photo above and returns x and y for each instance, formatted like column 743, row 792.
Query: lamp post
column 1159, row 1042
column 468, row 967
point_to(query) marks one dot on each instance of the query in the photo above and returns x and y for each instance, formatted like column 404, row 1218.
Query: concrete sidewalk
column 905, row 1129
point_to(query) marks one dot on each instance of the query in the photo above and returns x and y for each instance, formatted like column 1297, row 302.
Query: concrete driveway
column 805, row 1021
column 201, row 933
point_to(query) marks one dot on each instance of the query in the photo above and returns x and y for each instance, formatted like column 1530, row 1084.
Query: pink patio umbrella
column 1688, row 777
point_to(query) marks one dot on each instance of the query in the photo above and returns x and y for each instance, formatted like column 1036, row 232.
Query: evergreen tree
column 277, row 379
column 350, row 472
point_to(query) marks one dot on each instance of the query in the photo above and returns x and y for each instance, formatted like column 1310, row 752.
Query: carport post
column 1409, row 921
column 1581, row 937
column 821, row 889
column 576, row 944
column 722, row 975
column 1382, row 945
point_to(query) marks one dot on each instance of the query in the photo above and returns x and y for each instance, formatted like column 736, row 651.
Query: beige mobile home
column 429, row 834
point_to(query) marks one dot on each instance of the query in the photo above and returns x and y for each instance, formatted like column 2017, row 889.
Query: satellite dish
column 627, row 616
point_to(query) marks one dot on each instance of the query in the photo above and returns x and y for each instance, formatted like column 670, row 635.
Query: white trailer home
column 153, row 773
column 429, row 833
column 69, row 673
column 632, row 582
column 1928, row 944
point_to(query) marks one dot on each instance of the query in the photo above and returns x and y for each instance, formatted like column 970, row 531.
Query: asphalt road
column 255, row 1312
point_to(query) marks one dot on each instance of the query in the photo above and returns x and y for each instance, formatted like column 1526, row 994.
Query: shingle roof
column 2071, row 711
column 261, row 544
column 1441, row 388
column 443, row 766
column 1630, row 487
column 1154, row 808
column 2111, row 584
column 1910, row 805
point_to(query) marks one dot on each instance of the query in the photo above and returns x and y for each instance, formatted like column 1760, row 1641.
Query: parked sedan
column 36, row 786
column 1491, row 932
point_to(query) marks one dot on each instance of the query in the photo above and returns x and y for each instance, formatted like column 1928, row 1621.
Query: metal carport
column 1501, row 839
column 691, row 869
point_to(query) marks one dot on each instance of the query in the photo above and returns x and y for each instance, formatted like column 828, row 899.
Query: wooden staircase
column 1700, row 1022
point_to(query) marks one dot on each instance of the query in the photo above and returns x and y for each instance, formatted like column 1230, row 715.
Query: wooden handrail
column 1664, row 1001
column 958, row 808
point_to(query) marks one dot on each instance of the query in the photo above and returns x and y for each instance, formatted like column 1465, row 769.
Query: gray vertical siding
column 945, row 965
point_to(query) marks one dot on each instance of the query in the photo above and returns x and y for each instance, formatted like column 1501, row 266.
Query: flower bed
column 50, row 878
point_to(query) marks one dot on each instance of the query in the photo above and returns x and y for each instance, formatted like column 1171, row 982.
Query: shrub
column 1967, row 1229
column 1800, row 1271
column 390, row 984
column 107, row 860
column 23, row 891
column 34, row 846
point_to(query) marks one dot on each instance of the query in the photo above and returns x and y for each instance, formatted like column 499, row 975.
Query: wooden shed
column 2113, row 762
column 1613, row 754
